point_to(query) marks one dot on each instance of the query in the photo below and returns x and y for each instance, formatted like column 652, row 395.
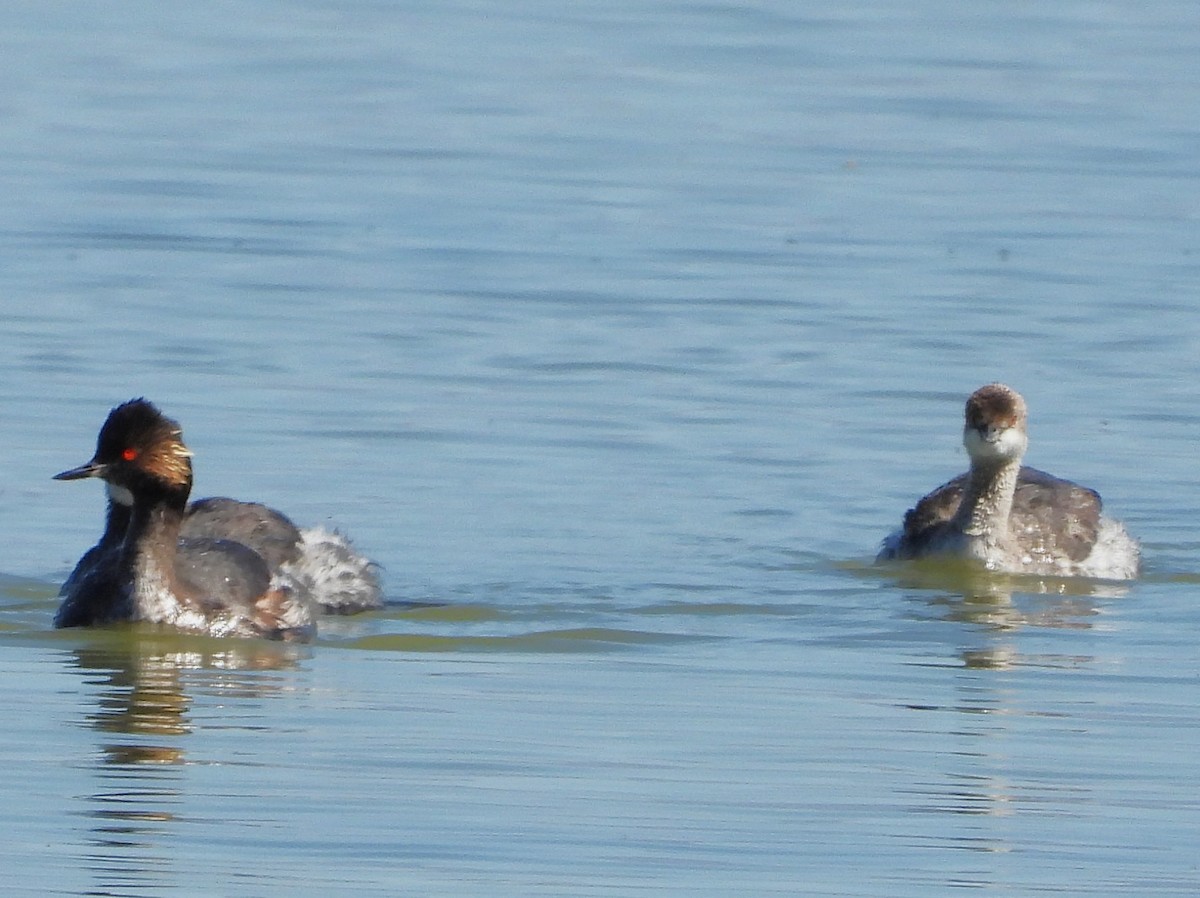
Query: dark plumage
column 319, row 566
column 144, row 569
column 268, row 532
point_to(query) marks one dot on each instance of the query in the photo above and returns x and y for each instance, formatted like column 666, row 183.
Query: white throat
column 1009, row 445
column 119, row 494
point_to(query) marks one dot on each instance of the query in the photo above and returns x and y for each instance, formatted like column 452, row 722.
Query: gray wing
column 268, row 532
column 223, row 573
column 231, row 577
column 1051, row 517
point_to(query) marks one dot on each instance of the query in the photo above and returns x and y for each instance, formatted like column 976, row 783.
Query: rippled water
column 619, row 336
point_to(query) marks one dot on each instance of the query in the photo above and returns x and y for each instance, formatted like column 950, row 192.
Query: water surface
column 619, row 336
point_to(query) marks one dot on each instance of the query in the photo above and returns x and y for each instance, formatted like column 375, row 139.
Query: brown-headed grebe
column 1012, row 518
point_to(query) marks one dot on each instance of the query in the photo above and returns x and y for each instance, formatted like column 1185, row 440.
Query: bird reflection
column 976, row 775
column 997, row 603
column 970, row 779
column 144, row 689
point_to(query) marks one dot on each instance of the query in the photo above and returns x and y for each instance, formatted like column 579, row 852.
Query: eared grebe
column 262, row 529
column 320, row 563
column 319, row 567
column 1012, row 518
column 215, row 586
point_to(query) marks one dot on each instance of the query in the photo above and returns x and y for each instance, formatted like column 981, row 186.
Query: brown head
column 996, row 424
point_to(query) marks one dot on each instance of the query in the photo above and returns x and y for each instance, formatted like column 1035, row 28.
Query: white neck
column 987, row 501
column 119, row 494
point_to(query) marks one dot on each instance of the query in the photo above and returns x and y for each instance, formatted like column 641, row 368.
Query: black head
column 140, row 450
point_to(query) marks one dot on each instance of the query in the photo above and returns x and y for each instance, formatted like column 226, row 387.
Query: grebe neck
column 988, row 500
column 148, row 553
column 116, row 524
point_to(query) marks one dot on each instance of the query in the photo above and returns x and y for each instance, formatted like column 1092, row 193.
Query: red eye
column 129, row 454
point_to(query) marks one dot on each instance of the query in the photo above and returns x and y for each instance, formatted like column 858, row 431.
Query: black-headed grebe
column 1012, row 518
column 307, row 568
column 320, row 565
column 214, row 586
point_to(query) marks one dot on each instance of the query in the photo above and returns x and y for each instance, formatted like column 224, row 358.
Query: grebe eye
column 129, row 454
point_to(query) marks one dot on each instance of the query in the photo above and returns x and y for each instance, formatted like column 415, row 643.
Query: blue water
column 619, row 335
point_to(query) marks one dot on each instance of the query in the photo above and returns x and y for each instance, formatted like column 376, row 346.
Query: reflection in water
column 974, row 782
column 997, row 606
column 979, row 774
column 142, row 706
column 1002, row 602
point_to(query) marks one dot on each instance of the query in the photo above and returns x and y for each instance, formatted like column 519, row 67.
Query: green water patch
column 578, row 639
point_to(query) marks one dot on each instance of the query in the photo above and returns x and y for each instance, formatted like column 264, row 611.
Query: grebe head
column 995, row 427
column 139, row 451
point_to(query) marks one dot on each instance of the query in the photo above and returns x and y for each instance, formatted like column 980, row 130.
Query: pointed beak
column 91, row 469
